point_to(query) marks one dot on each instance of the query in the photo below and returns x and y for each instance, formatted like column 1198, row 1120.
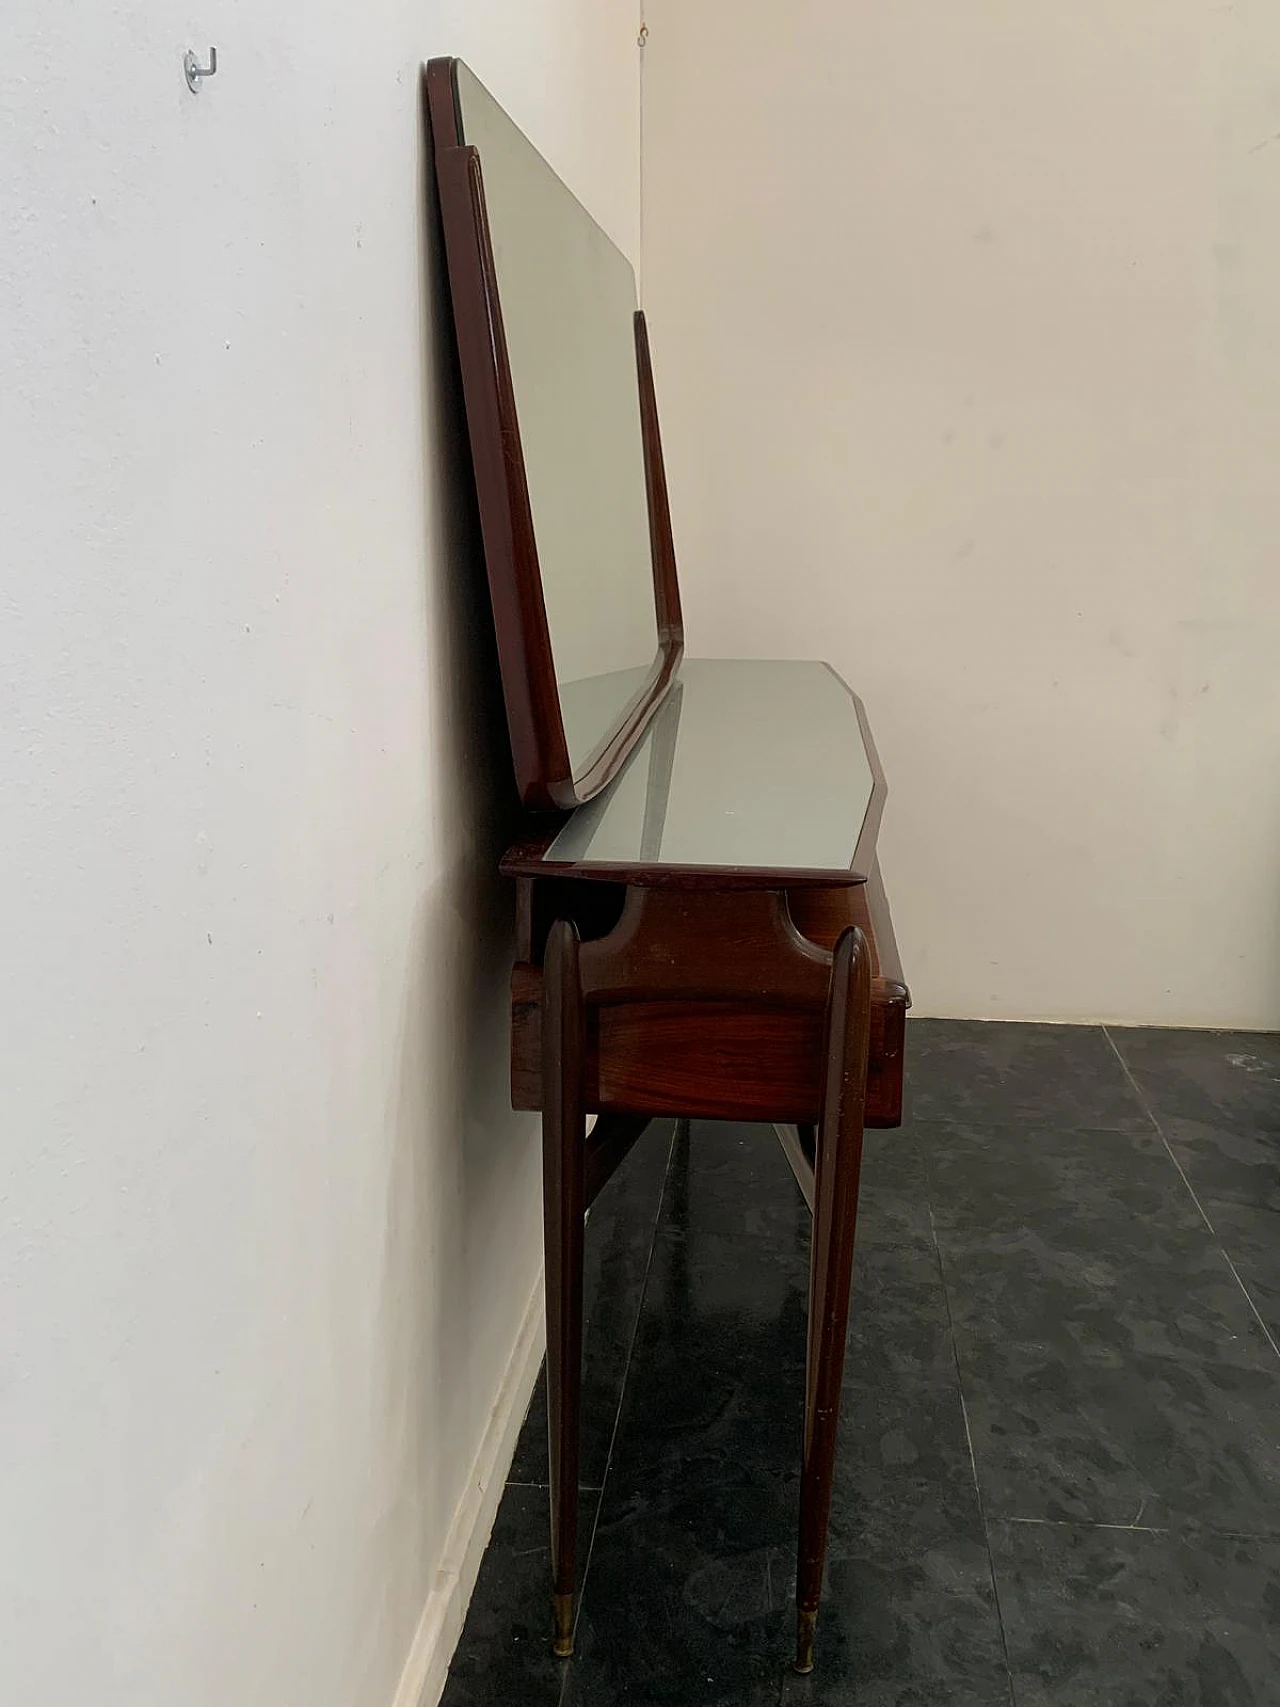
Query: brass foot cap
column 562, row 1643
column 805, row 1622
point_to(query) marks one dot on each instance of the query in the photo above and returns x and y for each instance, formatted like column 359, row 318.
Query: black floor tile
column 733, row 1180
column 908, row 1612
column 1115, row 1618
column 1112, row 1368
column 687, row 1600
column 893, row 1196
column 1113, row 1372
column 1223, row 1082
column 1251, row 1237
column 718, row 1368
column 698, row 1525
column 908, row 1620
column 618, row 1240
column 505, row 1654
column 984, row 1070
column 1226, row 1163
column 904, row 1457
column 1216, row 1098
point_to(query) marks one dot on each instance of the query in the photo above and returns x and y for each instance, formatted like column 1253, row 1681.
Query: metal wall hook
column 195, row 71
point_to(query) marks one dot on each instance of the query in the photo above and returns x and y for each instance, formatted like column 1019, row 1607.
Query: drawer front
column 717, row 1060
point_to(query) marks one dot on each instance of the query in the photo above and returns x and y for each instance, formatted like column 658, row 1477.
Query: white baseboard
column 422, row 1682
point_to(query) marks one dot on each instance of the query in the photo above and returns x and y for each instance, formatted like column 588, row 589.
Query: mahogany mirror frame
column 539, row 749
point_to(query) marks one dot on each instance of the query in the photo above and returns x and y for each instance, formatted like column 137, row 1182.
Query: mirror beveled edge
column 544, row 774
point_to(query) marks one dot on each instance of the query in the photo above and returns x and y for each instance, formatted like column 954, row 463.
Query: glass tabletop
column 749, row 767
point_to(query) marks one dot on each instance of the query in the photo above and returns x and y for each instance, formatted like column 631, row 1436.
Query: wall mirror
column 564, row 441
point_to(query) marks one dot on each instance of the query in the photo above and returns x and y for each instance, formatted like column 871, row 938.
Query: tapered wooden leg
column 563, row 1207
column 835, row 1211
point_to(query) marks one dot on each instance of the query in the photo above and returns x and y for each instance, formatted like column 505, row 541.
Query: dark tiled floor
column 1060, row 1458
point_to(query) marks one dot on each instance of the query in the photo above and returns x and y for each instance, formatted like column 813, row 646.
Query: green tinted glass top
column 748, row 763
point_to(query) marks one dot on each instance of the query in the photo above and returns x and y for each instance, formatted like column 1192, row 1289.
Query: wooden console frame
column 727, row 1060
column 641, row 990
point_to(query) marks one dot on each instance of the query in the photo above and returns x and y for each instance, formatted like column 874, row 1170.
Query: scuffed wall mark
column 1265, row 143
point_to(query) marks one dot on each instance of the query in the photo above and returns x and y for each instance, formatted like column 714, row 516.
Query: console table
column 701, row 926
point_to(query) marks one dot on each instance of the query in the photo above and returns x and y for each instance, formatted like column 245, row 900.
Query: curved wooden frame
column 539, row 751
column 734, row 992
column 672, row 949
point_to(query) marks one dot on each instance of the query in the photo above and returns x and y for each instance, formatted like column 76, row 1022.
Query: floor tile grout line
column 1159, row 1130
column 968, row 1434
column 1249, row 1299
column 1187, row 1533
column 1094, row 1523
column 622, row 1385
column 1191, row 1190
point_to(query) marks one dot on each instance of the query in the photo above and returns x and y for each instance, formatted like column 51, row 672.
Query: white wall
column 268, row 1228
column 966, row 325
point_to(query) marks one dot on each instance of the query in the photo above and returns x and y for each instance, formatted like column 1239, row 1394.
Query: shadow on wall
column 462, row 1213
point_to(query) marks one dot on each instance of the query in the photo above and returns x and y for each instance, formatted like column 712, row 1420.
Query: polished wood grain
column 670, row 945
column 736, row 1059
column 564, row 1203
column 540, row 754
column 835, row 1211
column 538, row 749
column 665, row 579
column 672, row 952
column 822, row 914
column 711, row 1060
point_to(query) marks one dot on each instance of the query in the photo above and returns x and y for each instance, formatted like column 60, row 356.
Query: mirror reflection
column 567, row 296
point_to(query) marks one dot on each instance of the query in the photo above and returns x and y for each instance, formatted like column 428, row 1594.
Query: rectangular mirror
column 564, row 441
